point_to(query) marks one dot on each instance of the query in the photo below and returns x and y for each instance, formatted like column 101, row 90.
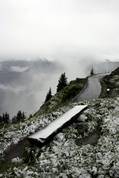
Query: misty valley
column 24, row 84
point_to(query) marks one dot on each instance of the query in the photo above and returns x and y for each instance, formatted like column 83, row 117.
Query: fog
column 33, row 28
column 24, row 84
column 69, row 36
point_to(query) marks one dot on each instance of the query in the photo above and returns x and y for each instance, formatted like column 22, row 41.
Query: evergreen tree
column 1, row 119
column 62, row 82
column 92, row 72
column 48, row 96
column 23, row 116
column 6, row 118
column 14, row 119
column 20, row 116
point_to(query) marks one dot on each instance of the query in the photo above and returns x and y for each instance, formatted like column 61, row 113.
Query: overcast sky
column 51, row 27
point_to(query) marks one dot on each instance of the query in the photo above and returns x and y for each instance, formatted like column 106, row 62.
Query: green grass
column 63, row 97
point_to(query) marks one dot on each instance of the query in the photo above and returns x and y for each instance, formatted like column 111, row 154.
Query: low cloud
column 18, row 69
column 25, row 86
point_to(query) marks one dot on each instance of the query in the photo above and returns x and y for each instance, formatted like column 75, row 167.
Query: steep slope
column 88, row 148
column 12, row 134
column 110, row 84
column 64, row 97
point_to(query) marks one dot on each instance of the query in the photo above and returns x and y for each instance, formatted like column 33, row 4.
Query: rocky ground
column 87, row 148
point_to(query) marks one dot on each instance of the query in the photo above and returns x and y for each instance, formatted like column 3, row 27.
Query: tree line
column 20, row 116
column 5, row 118
column 62, row 82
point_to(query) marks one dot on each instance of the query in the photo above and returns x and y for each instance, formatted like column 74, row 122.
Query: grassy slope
column 13, row 134
column 64, row 97
column 72, row 152
column 111, row 83
column 88, row 147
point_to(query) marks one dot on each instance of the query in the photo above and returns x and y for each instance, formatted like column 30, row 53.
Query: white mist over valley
column 24, row 84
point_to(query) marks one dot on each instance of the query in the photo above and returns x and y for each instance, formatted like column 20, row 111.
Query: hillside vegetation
column 64, row 97
column 88, row 148
column 110, row 84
